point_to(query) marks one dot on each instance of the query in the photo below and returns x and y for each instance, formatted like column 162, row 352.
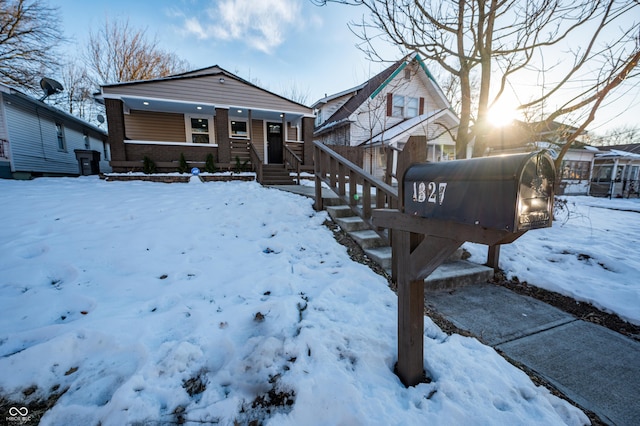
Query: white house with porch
column 400, row 102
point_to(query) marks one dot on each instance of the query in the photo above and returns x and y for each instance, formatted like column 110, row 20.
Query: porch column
column 115, row 121
column 307, row 138
column 222, row 135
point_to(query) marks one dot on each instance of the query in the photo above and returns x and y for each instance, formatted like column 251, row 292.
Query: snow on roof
column 618, row 153
column 403, row 127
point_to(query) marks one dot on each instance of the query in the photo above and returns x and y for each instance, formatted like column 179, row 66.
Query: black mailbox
column 509, row 192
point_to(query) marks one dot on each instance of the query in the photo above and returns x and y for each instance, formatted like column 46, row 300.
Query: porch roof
column 202, row 108
column 407, row 128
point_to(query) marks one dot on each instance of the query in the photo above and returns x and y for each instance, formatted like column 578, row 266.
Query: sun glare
column 501, row 115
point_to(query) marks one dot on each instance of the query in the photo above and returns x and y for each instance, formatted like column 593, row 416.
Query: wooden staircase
column 276, row 174
column 454, row 273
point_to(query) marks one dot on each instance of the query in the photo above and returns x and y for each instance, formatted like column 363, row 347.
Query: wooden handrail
column 336, row 171
column 293, row 160
column 256, row 162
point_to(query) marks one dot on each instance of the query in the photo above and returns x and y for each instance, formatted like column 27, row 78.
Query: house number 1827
column 429, row 191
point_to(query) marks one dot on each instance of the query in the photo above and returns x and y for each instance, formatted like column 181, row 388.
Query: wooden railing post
column 493, row 257
column 319, row 203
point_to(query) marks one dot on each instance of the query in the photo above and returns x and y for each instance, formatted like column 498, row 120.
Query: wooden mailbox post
column 492, row 201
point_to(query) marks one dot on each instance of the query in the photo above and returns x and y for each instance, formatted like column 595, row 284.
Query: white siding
column 372, row 117
column 333, row 105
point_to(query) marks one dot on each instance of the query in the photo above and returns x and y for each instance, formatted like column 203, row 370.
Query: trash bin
column 88, row 161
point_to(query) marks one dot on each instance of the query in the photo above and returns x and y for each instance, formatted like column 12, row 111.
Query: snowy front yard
column 148, row 303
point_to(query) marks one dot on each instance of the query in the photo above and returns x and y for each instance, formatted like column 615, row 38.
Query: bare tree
column 295, row 93
column 77, row 99
column 117, row 53
column 504, row 42
column 618, row 136
column 29, row 35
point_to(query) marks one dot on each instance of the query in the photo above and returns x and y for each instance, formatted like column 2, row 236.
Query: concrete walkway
column 595, row 367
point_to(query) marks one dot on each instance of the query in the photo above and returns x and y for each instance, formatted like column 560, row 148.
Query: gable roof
column 60, row 114
column 214, row 72
column 370, row 89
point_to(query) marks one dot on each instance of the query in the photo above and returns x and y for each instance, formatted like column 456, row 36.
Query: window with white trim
column 398, row 106
column 412, row 107
column 62, row 143
column 199, row 129
column 239, row 128
column 405, row 106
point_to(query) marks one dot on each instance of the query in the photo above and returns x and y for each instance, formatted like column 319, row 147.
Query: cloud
column 260, row 24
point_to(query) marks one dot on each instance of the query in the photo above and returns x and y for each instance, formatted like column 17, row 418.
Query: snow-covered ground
column 591, row 253
column 220, row 303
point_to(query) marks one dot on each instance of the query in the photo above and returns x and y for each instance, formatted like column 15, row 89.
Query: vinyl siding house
column 401, row 102
column 577, row 163
column 37, row 139
column 202, row 112
column 616, row 171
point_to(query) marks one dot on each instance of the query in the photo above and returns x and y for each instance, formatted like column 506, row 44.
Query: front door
column 274, row 143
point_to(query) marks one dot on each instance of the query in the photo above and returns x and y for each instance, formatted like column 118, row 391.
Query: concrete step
column 339, row 211
column 351, row 223
column 457, row 274
column 368, row 239
column 381, row 255
column 331, row 200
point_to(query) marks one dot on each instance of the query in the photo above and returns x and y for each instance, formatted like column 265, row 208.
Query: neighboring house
column 402, row 101
column 37, row 139
column 616, row 171
column 577, row 163
column 202, row 112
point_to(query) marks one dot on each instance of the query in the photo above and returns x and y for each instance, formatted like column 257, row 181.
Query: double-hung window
column 404, row 106
column 398, row 106
column 62, row 143
column 411, row 109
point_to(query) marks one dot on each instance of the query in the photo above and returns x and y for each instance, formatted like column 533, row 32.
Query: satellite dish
column 100, row 118
column 50, row 87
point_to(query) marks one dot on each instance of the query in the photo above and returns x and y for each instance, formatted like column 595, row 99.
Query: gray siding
column 33, row 139
column 208, row 89
column 3, row 127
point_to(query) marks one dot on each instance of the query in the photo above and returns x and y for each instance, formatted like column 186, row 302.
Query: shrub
column 240, row 166
column 183, row 167
column 148, row 165
column 209, row 165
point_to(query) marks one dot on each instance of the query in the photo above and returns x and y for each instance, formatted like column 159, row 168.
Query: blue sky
column 278, row 43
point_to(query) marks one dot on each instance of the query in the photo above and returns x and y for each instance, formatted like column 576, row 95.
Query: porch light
column 240, row 111
column 198, row 107
column 145, row 103
column 221, row 80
